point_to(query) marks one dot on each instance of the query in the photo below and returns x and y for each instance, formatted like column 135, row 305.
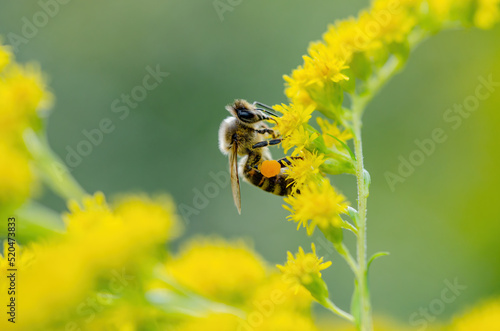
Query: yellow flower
column 295, row 88
column 394, row 25
column 345, row 37
column 286, row 321
column 305, row 168
column 17, row 182
column 219, row 322
column 330, row 130
column 441, row 10
column 282, row 321
column 285, row 296
column 107, row 250
column 324, row 68
column 127, row 316
column 317, row 205
column 117, row 230
column 487, row 13
column 224, row 271
column 293, row 117
column 22, row 94
column 300, row 139
column 22, row 97
column 5, row 56
column 485, row 317
column 323, row 65
column 305, row 270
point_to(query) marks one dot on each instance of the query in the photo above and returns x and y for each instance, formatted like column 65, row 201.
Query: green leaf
column 353, row 214
column 374, row 256
column 367, row 181
column 333, row 234
column 356, row 305
column 336, row 166
column 345, row 146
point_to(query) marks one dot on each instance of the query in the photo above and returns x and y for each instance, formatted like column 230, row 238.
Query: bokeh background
column 441, row 223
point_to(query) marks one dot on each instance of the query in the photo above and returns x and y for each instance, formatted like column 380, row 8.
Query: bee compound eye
column 245, row 115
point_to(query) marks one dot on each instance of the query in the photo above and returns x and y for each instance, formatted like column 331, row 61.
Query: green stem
column 344, row 252
column 365, row 322
column 336, row 310
column 51, row 169
column 359, row 102
column 348, row 226
column 36, row 214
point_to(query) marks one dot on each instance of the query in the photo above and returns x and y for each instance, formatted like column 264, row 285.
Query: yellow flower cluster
column 354, row 58
column 350, row 57
column 355, row 48
column 22, row 96
column 219, row 270
column 96, row 267
column 318, row 204
column 485, row 317
column 479, row 13
column 305, row 270
column 231, row 273
column 226, row 322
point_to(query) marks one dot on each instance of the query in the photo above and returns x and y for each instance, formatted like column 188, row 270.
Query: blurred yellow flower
column 128, row 316
column 105, row 253
column 282, row 321
column 22, row 95
column 286, row 321
column 216, row 322
column 485, row 317
column 317, row 205
column 283, row 295
column 487, row 13
column 223, row 271
column 5, row 56
column 17, row 182
column 380, row 324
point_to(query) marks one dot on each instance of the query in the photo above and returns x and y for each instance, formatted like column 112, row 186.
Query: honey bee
column 244, row 134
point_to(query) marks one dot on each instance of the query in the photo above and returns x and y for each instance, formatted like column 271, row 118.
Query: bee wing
column 235, row 180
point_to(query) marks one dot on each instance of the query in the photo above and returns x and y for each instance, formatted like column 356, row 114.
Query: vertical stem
column 366, row 323
column 359, row 102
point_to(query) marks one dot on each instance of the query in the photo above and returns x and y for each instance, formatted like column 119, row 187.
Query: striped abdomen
column 278, row 184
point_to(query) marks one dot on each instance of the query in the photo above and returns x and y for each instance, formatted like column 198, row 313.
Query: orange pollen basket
column 270, row 168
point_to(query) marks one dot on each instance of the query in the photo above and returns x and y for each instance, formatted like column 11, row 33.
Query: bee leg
column 268, row 131
column 287, row 161
column 267, row 143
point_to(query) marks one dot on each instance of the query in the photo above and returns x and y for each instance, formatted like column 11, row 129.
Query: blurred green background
column 442, row 223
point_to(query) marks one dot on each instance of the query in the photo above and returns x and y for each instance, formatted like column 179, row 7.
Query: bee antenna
column 260, row 104
column 267, row 112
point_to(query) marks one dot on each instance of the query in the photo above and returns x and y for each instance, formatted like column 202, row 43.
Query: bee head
column 245, row 112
